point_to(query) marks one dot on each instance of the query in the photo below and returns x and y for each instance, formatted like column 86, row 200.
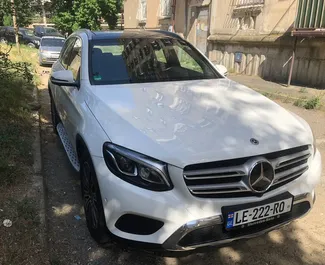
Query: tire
column 54, row 116
column 31, row 45
column 92, row 200
column 3, row 40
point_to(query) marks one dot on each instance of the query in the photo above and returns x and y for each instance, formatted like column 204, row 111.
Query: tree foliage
column 73, row 15
column 25, row 10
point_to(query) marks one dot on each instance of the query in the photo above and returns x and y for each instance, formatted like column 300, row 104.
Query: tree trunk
column 44, row 14
column 14, row 20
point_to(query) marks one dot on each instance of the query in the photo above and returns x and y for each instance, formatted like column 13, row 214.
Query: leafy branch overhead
column 73, row 15
column 25, row 11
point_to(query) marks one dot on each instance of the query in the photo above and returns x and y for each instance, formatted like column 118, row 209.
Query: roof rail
column 87, row 31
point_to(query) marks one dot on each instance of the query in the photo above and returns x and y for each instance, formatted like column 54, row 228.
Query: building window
column 165, row 8
column 142, row 10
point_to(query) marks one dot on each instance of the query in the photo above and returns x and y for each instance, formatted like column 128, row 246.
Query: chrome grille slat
column 238, row 174
column 238, row 185
column 291, row 176
column 221, row 179
column 218, row 192
column 222, row 170
column 290, row 171
column 281, row 161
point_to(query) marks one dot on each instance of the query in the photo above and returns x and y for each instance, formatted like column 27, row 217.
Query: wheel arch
column 81, row 146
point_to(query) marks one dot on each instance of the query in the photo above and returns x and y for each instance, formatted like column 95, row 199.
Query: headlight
column 137, row 169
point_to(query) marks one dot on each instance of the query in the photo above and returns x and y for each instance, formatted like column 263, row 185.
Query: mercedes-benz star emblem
column 254, row 141
column 261, row 176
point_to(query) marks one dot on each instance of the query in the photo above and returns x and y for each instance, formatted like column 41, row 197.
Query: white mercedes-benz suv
column 170, row 152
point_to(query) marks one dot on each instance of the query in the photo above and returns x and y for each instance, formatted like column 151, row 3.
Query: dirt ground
column 301, row 242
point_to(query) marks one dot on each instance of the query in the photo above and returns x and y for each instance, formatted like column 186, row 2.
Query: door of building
column 202, row 29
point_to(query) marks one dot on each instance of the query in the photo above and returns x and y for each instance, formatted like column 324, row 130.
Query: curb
column 38, row 180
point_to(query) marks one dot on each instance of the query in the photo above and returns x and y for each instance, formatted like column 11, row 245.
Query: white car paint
column 180, row 123
column 167, row 122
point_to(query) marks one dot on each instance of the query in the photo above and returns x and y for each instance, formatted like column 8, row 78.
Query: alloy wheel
column 90, row 196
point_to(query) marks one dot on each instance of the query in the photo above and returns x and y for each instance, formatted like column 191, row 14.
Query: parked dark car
column 26, row 36
column 41, row 31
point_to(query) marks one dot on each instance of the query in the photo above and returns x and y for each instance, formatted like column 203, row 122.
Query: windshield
column 50, row 30
column 146, row 60
column 52, row 42
column 27, row 32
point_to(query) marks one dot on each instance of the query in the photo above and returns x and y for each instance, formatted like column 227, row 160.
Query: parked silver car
column 50, row 48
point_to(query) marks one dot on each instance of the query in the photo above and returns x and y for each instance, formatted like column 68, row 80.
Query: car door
column 57, row 92
column 10, row 35
column 69, row 96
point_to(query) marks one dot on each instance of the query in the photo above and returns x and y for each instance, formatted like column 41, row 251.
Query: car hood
column 51, row 48
column 191, row 122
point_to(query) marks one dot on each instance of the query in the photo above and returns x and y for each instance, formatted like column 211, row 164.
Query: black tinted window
column 146, row 60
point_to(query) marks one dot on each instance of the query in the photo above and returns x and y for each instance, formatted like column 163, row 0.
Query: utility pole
column 14, row 20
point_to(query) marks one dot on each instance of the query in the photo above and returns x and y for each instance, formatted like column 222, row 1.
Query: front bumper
column 187, row 218
column 47, row 58
column 211, row 232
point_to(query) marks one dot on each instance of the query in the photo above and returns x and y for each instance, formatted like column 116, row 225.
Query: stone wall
column 272, row 60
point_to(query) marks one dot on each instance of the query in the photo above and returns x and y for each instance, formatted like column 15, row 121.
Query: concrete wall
column 267, row 48
column 130, row 13
column 272, row 62
column 153, row 14
column 180, row 17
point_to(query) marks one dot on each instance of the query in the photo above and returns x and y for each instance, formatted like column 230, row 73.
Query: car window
column 52, row 42
column 160, row 56
column 75, row 59
column 186, row 60
column 65, row 54
column 140, row 60
column 50, row 30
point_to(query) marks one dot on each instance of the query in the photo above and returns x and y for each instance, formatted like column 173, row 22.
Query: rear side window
column 141, row 60
column 75, row 59
column 65, row 54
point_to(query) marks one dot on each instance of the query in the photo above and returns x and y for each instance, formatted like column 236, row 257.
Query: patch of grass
column 16, row 87
column 313, row 103
column 303, row 90
column 300, row 102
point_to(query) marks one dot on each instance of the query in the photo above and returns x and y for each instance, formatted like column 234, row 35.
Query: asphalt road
column 301, row 242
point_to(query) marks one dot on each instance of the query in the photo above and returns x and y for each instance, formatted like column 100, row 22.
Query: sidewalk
column 281, row 91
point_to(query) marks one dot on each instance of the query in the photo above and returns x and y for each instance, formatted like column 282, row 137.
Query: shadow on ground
column 70, row 242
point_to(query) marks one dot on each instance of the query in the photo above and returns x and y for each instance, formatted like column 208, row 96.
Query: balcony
column 248, row 3
column 310, row 18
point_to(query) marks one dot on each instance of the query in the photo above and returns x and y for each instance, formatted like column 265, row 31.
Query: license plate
column 258, row 214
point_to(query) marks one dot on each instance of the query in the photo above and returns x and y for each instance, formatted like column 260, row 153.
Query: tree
column 25, row 11
column 110, row 9
column 73, row 15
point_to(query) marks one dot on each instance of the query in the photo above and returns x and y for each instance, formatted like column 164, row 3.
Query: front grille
column 226, row 178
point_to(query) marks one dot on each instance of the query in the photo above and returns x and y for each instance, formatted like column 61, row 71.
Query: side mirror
column 221, row 69
column 63, row 78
